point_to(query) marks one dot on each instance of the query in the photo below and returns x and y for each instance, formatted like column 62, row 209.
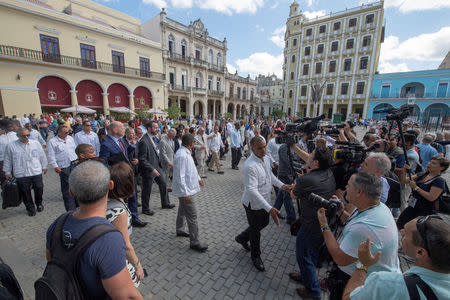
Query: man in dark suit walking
column 115, row 149
column 150, row 169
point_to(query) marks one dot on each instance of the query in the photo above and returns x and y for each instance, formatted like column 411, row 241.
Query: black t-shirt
column 423, row 205
column 320, row 182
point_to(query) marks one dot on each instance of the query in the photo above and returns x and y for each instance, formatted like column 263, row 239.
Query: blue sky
column 417, row 31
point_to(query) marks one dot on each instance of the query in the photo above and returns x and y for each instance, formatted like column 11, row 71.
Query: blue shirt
column 385, row 191
column 426, row 152
column 390, row 285
column 378, row 224
column 104, row 259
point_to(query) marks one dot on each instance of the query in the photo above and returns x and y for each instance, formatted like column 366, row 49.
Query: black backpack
column 61, row 279
column 10, row 193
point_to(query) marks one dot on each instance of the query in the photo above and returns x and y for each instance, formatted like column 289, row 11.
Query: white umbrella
column 79, row 109
column 122, row 110
column 154, row 111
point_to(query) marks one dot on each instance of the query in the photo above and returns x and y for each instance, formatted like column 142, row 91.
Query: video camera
column 308, row 126
column 353, row 153
column 332, row 205
column 399, row 113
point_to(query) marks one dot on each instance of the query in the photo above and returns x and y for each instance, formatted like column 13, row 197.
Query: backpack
column 10, row 193
column 61, row 278
column 442, row 204
column 413, row 282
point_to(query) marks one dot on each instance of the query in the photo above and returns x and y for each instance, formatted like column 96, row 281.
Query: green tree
column 277, row 112
column 174, row 112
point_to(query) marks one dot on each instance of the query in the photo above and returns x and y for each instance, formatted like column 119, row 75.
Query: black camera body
column 399, row 114
column 352, row 153
column 332, row 205
column 284, row 138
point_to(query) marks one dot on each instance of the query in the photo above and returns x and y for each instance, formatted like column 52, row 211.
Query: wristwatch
column 360, row 266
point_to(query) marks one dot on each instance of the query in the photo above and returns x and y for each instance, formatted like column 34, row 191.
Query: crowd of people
column 346, row 199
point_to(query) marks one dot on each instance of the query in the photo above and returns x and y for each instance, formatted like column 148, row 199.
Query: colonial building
column 194, row 63
column 59, row 53
column 241, row 95
column 427, row 91
column 271, row 95
column 329, row 61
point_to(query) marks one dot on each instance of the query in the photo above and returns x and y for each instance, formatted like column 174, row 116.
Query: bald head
column 116, row 129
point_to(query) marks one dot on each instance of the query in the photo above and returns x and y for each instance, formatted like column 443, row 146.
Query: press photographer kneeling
column 371, row 218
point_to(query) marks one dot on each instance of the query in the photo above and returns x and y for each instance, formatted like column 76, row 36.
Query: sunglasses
column 422, row 229
column 24, row 135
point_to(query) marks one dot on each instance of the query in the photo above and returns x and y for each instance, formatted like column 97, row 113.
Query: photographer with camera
column 427, row 241
column 319, row 180
column 371, row 219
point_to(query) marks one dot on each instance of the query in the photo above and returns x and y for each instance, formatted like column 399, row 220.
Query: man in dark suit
column 115, row 149
column 150, row 168
column 103, row 131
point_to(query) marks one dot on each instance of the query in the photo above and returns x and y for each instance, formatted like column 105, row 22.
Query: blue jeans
column 307, row 256
column 284, row 197
column 44, row 133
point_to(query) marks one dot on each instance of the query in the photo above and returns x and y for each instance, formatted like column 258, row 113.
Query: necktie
column 123, row 148
column 155, row 139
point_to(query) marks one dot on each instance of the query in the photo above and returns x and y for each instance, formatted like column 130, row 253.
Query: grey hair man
column 371, row 219
column 426, row 151
column 89, row 185
column 166, row 152
column 378, row 164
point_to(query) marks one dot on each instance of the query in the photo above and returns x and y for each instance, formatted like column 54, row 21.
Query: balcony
column 40, row 57
column 199, row 90
column 181, row 88
column 215, row 93
column 179, row 57
column 406, row 96
column 199, row 62
column 217, row 68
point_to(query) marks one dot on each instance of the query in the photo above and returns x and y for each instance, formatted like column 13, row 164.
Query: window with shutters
column 320, row 48
column 295, row 42
column 318, row 68
column 118, row 62
column 88, row 56
column 363, row 63
column 293, row 58
column 290, row 93
column 309, row 32
column 337, row 26
column 334, row 46
column 322, row 29
column 369, row 19
column 350, row 43
column 307, row 51
column 347, row 64
column 352, row 22
column 292, row 75
column 344, row 89
column 305, row 69
column 366, row 40
column 332, row 68
column 360, row 88
column 303, row 90
column 330, row 87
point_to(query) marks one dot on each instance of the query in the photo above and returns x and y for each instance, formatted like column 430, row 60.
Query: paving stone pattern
column 175, row 271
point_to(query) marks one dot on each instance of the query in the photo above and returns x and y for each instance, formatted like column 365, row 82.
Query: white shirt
column 272, row 150
column 214, row 143
column 229, row 128
column 235, row 138
column 24, row 121
column 6, row 139
column 35, row 135
column 61, row 152
column 185, row 180
column 24, row 160
column 258, row 181
column 91, row 139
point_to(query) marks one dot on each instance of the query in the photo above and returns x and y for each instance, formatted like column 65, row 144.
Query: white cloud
column 314, row 14
column 278, row 36
column 310, row 2
column 261, row 63
column 275, row 5
column 158, row 3
column 406, row 6
column 386, row 67
column 182, row 3
column 424, row 47
column 231, row 69
column 259, row 28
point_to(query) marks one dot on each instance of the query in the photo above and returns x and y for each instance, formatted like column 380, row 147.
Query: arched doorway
column 89, row 93
column 435, row 112
column 238, row 111
column 118, row 95
column 54, row 92
column 414, row 111
column 380, row 111
column 198, row 109
column 230, row 108
column 252, row 109
column 218, row 109
column 142, row 97
column 243, row 111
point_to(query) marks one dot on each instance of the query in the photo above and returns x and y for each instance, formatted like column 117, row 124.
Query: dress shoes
column 304, row 293
column 220, row 172
column 168, row 206
column 244, row 244
column 212, row 170
column 183, row 234
column 31, row 213
column 295, row 276
column 169, row 190
column 138, row 223
column 257, row 262
column 148, row 212
column 40, row 208
column 203, row 176
column 290, row 221
column 199, row 247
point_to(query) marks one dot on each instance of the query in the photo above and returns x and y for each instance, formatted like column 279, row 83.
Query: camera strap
column 413, row 281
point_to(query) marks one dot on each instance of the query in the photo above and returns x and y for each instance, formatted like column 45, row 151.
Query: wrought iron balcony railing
column 39, row 56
